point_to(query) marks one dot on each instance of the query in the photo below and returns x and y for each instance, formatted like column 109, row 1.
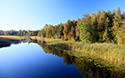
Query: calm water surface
column 36, row 60
column 30, row 61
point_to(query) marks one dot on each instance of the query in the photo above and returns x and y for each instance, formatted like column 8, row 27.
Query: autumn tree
column 43, row 33
column 106, row 35
column 67, row 27
column 101, row 24
column 121, row 35
column 94, row 32
column 73, row 30
column 117, row 23
column 59, row 30
column 84, row 26
column 39, row 34
column 77, row 30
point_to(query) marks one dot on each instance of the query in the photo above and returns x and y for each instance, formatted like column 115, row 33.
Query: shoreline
column 85, row 58
column 8, row 40
column 110, row 53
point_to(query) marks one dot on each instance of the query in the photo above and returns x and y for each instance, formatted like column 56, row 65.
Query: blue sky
column 34, row 14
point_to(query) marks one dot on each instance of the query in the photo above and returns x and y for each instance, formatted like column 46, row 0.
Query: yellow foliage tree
column 121, row 35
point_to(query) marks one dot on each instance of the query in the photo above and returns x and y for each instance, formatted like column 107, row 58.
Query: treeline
column 19, row 33
column 101, row 27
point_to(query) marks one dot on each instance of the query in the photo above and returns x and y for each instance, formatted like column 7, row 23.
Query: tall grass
column 109, row 52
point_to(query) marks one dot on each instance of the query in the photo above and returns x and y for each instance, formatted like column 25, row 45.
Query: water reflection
column 13, row 42
column 86, row 66
column 8, row 44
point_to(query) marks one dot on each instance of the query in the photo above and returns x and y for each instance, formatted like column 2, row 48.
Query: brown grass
column 46, row 39
column 11, row 37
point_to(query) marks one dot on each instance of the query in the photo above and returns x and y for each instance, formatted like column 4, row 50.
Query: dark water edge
column 89, row 68
column 4, row 44
column 7, row 44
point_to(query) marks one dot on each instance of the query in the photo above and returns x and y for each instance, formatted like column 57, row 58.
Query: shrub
column 58, row 37
column 52, row 37
column 72, row 39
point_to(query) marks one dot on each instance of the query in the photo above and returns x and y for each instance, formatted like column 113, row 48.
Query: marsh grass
column 12, row 37
column 87, row 64
column 111, row 53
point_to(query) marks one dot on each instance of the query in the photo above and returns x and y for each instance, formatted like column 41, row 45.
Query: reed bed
column 109, row 52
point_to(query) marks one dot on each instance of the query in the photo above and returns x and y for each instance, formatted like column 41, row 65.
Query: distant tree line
column 101, row 27
column 19, row 33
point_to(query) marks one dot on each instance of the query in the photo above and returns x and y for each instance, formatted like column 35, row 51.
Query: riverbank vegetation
column 87, row 64
column 109, row 52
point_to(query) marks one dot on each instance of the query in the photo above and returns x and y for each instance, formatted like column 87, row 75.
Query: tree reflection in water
column 86, row 66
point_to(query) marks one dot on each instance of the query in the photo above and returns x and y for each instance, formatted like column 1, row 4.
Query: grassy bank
column 7, row 40
column 111, row 53
column 87, row 64
column 12, row 37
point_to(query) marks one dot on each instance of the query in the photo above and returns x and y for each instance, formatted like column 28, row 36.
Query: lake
column 35, row 60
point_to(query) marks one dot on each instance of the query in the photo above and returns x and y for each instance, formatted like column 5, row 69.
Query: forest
column 101, row 27
column 19, row 33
